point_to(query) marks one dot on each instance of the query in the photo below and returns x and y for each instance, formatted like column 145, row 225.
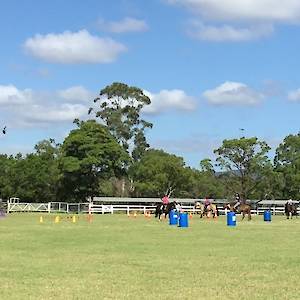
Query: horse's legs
column 243, row 216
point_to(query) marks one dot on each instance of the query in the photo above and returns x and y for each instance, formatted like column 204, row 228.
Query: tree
column 120, row 108
column 206, row 165
column 159, row 173
column 89, row 153
column 270, row 186
column 7, row 164
column 287, row 163
column 244, row 161
column 34, row 177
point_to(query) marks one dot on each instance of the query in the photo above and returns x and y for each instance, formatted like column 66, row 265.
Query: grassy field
column 117, row 257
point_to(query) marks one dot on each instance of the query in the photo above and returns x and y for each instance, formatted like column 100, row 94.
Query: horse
column 164, row 209
column 290, row 210
column 243, row 208
column 210, row 209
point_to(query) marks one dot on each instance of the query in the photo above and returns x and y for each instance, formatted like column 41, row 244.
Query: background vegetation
column 109, row 155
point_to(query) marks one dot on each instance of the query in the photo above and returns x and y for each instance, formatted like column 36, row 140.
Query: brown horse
column 290, row 210
column 210, row 210
column 244, row 209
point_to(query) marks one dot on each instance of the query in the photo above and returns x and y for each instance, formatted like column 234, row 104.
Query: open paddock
column 116, row 257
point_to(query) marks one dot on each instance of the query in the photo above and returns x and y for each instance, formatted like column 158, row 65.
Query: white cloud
column 233, row 93
column 169, row 100
column 33, row 108
column 238, row 20
column 125, row 25
column 76, row 93
column 10, row 95
column 228, row 32
column 244, row 10
column 73, row 48
column 294, row 95
column 54, row 113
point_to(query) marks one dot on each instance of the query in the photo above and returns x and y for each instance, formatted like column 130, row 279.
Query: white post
column 128, row 211
column 90, row 208
column 49, row 207
column 112, row 209
column 274, row 211
column 8, row 206
column 67, row 208
column 102, row 209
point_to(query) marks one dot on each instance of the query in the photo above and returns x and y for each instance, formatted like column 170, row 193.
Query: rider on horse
column 207, row 203
column 237, row 201
column 165, row 200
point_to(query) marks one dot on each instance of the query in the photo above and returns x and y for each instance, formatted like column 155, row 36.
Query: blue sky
column 210, row 67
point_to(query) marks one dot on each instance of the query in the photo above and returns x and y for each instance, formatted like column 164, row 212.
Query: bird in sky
column 4, row 130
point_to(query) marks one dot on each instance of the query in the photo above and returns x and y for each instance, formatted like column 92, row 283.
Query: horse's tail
column 255, row 206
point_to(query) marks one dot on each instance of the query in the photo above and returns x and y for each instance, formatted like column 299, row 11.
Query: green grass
column 117, row 257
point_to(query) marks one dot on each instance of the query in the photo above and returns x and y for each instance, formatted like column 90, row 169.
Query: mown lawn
column 117, row 257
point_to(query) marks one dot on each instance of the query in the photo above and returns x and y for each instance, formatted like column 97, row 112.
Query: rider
column 237, row 201
column 165, row 200
column 206, row 203
column 290, row 202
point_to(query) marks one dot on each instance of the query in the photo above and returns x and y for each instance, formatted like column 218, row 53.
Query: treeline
column 111, row 157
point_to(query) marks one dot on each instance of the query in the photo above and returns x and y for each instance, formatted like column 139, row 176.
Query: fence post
column 112, row 209
column 67, row 208
column 128, row 212
column 49, row 207
column 8, row 206
column 274, row 211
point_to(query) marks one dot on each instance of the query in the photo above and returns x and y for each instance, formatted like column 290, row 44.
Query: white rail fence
column 62, row 207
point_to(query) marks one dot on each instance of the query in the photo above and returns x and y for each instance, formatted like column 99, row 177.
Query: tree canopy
column 120, row 108
column 287, row 163
column 244, row 161
column 88, row 154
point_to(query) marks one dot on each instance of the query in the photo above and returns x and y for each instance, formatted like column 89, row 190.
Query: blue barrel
column 183, row 220
column 173, row 217
column 231, row 219
column 267, row 216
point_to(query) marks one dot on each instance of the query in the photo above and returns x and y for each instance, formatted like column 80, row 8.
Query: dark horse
column 164, row 209
column 290, row 210
column 243, row 208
